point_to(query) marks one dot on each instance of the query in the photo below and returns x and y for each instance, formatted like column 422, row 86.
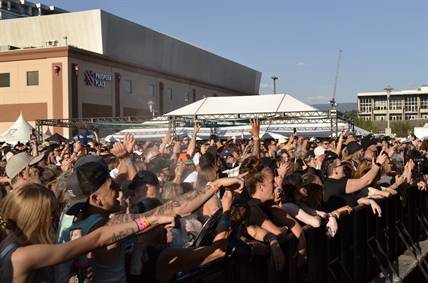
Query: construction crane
column 333, row 103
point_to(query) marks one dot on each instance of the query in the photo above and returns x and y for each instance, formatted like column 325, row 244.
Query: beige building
column 94, row 64
column 403, row 105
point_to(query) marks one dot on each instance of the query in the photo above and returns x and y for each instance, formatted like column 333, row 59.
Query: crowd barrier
column 366, row 248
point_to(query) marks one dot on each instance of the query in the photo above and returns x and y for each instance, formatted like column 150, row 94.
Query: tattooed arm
column 183, row 204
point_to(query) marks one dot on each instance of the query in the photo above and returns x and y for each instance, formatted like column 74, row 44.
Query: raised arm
column 353, row 185
column 255, row 131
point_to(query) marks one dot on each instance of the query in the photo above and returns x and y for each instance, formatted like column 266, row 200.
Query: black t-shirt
column 335, row 195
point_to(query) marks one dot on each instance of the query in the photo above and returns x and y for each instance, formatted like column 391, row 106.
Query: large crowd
column 135, row 211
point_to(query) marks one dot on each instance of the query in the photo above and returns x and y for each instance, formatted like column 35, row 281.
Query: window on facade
column 365, row 105
column 380, row 103
column 395, row 103
column 380, row 117
column 128, row 86
column 5, row 80
column 424, row 116
column 395, row 117
column 186, row 96
column 411, row 104
column 151, row 90
column 424, row 102
column 410, row 117
column 169, row 93
column 33, row 78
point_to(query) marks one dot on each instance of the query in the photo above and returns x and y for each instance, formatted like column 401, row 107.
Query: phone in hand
column 329, row 232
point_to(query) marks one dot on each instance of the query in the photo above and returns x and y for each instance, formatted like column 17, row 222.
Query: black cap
column 353, row 147
column 368, row 141
column 145, row 177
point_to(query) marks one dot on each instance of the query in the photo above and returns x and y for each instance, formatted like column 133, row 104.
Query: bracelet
column 175, row 152
column 272, row 238
column 256, row 139
column 404, row 175
column 145, row 221
column 396, row 185
column 192, row 135
column 180, row 174
column 368, row 202
column 214, row 186
column 225, row 222
column 325, row 215
column 129, row 163
column 378, row 164
column 140, row 224
column 75, row 153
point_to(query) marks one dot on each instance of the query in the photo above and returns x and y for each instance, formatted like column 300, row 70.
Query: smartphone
column 275, row 172
column 294, row 130
column 329, row 232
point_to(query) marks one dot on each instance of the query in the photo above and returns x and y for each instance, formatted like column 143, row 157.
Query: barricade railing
column 364, row 247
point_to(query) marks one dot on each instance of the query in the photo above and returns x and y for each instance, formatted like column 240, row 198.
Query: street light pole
column 274, row 84
column 388, row 90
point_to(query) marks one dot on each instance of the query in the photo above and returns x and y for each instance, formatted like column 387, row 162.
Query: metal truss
column 207, row 120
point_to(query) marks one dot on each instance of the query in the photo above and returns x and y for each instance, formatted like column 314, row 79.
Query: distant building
column 403, row 105
column 94, row 64
column 13, row 9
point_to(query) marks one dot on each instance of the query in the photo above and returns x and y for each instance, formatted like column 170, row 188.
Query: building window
column 424, row 116
column 32, row 78
column 169, row 93
column 128, row 86
column 380, row 117
column 395, row 117
column 380, row 103
column 5, row 80
column 151, row 90
column 410, row 117
column 395, row 103
column 186, row 96
column 424, row 101
column 365, row 105
column 411, row 104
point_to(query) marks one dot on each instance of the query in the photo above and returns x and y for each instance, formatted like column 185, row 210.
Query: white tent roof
column 20, row 131
column 269, row 103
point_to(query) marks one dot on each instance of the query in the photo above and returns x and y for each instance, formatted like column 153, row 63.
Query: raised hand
column 129, row 142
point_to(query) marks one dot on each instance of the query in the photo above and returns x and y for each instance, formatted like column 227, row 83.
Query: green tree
column 401, row 128
column 361, row 123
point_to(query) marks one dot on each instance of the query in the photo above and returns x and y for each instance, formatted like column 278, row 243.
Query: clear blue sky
column 382, row 42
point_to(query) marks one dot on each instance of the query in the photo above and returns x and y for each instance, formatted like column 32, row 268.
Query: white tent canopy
column 233, row 105
column 270, row 103
column 19, row 131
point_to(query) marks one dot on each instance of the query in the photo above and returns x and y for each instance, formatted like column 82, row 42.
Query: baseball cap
column 85, row 180
column 89, row 158
column 19, row 161
column 145, row 177
column 225, row 154
column 303, row 182
column 125, row 189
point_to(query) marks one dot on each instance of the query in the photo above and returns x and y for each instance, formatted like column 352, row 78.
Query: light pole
column 274, row 84
column 388, row 93
column 151, row 103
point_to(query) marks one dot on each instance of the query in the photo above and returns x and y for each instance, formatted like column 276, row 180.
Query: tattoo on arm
column 122, row 234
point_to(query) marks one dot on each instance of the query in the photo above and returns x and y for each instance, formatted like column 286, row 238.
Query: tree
column 361, row 123
column 401, row 128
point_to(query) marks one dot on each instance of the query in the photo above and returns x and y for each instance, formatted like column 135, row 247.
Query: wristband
column 225, row 222
column 396, row 185
column 256, row 139
column 175, row 152
column 192, row 135
column 378, row 164
column 140, row 224
column 272, row 238
column 368, row 202
column 325, row 215
column 75, row 153
column 404, row 175
column 129, row 163
column 214, row 186
column 180, row 174
column 145, row 221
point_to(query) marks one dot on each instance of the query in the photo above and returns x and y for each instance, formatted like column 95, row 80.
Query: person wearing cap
column 338, row 189
column 294, row 188
column 161, row 167
column 369, row 144
column 271, row 148
column 354, row 153
column 21, row 168
column 93, row 198
column 145, row 184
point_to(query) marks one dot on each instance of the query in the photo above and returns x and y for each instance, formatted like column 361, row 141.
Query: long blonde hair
column 28, row 213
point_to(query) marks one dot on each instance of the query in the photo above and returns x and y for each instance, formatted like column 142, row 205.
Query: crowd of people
column 135, row 211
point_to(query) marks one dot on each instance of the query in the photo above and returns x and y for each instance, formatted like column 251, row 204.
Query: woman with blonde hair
column 29, row 250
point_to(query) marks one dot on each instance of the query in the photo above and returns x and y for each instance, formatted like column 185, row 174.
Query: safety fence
column 366, row 247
